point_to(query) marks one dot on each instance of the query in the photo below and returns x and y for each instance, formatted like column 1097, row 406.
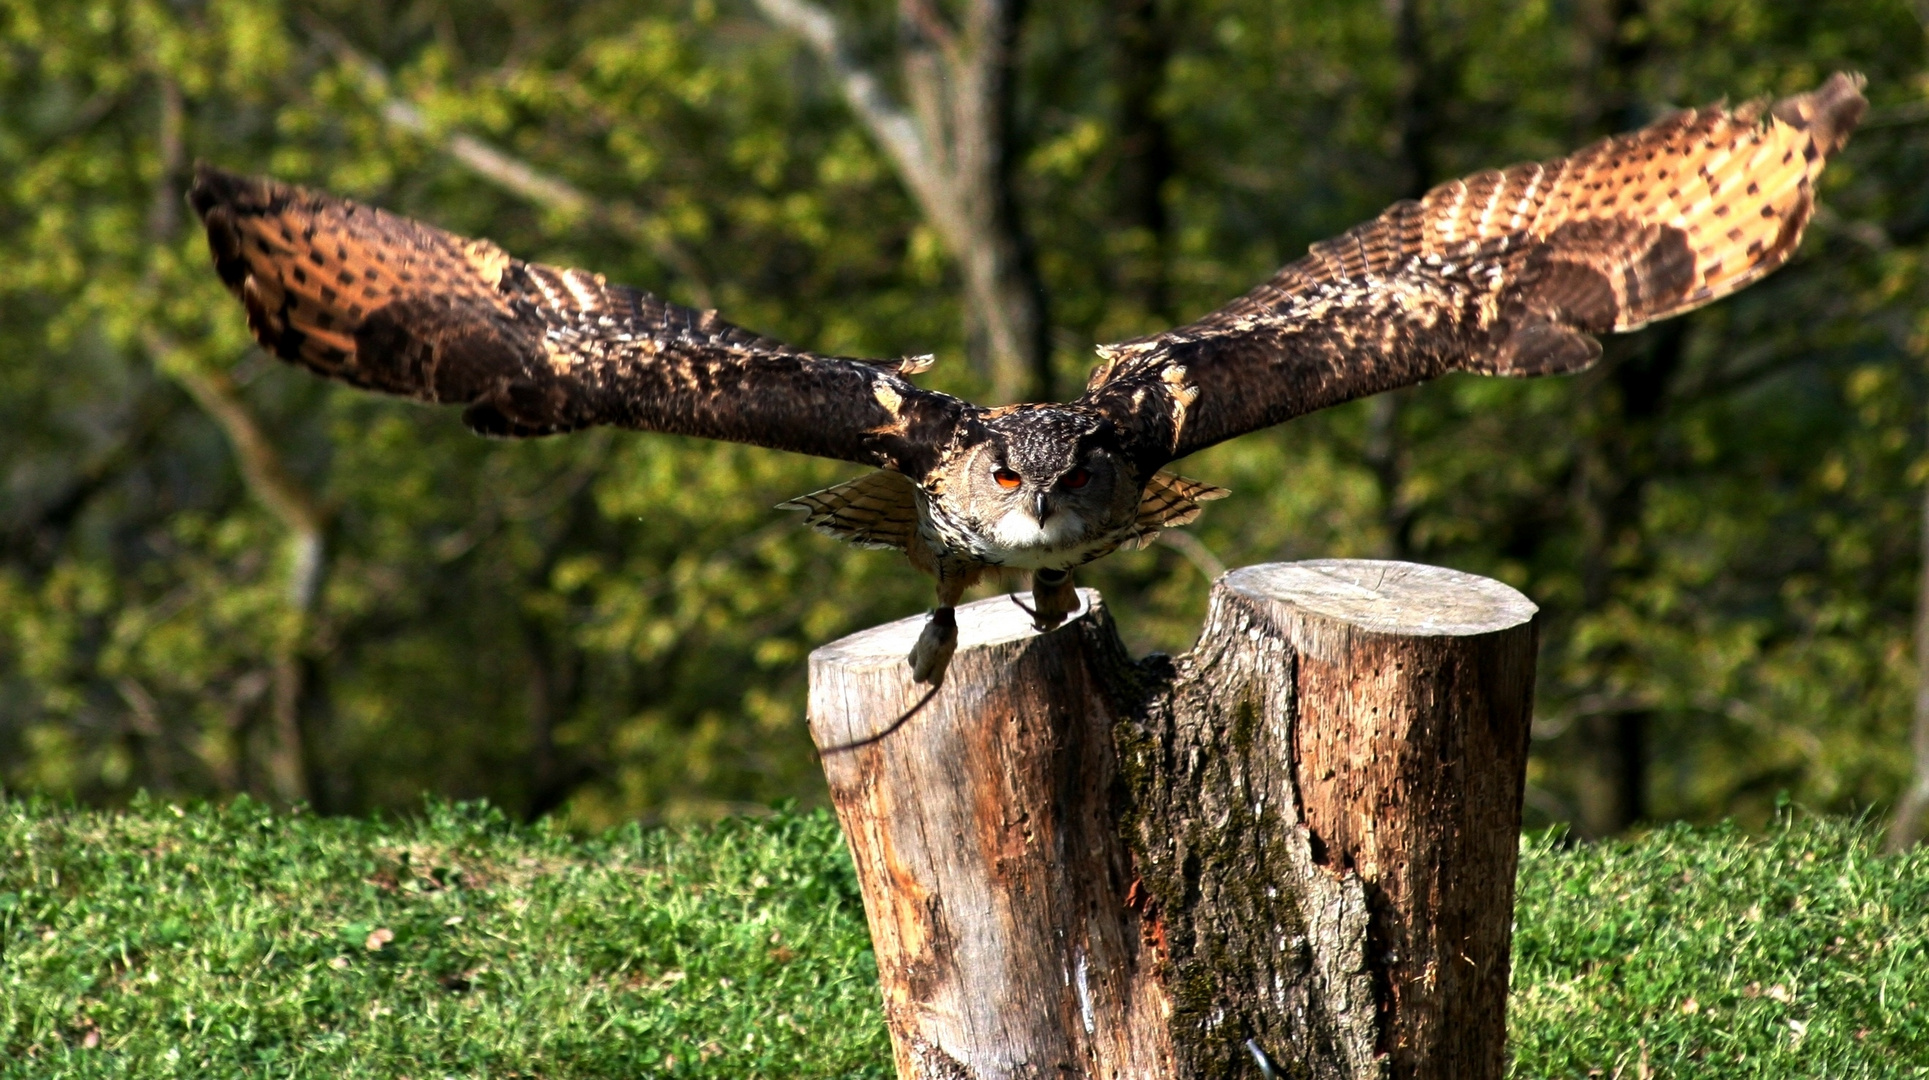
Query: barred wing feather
column 1507, row 273
column 391, row 304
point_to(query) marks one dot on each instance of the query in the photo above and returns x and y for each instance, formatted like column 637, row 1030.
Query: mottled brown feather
column 1170, row 501
column 876, row 510
column 1507, row 272
column 394, row 305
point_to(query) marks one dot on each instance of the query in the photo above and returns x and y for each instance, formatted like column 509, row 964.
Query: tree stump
column 1289, row 852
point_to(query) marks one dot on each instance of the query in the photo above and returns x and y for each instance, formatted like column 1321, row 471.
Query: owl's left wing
column 1504, row 273
column 391, row 304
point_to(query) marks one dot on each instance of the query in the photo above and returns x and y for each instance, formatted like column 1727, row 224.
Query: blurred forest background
column 219, row 575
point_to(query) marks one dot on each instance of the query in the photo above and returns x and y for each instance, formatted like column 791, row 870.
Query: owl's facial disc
column 1043, row 491
column 1057, row 508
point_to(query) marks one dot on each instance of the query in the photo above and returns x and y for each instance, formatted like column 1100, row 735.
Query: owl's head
column 1041, row 488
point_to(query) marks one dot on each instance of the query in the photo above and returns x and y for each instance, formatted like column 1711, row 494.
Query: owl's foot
column 932, row 654
column 1054, row 598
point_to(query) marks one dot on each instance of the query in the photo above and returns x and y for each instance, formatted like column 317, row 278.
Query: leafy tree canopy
column 360, row 600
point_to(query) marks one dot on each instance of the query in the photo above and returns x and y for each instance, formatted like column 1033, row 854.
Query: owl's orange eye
column 1077, row 478
column 1005, row 477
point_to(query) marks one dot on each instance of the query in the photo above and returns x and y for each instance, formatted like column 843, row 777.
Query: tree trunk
column 995, row 878
column 954, row 143
column 1905, row 827
column 966, row 92
column 1624, row 402
column 1428, row 81
column 1294, row 845
column 1143, row 39
column 268, row 479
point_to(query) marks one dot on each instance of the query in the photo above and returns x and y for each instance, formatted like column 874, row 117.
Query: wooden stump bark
column 1289, row 852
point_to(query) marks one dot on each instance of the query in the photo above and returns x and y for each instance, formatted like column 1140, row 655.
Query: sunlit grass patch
column 236, row 942
column 1712, row 953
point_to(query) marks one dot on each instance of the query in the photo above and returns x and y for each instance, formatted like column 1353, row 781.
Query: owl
column 1509, row 272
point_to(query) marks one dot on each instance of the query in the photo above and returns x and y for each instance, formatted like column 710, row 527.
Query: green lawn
column 215, row 943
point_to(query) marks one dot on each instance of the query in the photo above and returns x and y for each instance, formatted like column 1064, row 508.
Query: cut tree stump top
column 1399, row 598
column 996, row 621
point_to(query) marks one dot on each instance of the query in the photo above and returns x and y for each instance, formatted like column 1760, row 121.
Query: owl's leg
column 1054, row 598
column 932, row 654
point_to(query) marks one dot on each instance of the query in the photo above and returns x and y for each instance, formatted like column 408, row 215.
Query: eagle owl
column 1503, row 273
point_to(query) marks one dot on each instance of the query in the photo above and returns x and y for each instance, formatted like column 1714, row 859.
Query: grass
column 216, row 943
column 1712, row 953
column 235, row 942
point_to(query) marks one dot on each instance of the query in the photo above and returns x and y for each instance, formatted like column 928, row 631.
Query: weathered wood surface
column 1297, row 840
column 994, row 876
column 1342, row 728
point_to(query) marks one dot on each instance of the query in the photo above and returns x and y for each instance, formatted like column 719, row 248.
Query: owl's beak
column 1041, row 507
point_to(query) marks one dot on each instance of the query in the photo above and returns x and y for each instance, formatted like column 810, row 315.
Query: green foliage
column 232, row 942
column 637, row 599
column 220, row 942
column 1720, row 522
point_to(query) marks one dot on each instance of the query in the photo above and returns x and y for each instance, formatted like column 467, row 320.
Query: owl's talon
column 1054, row 597
column 932, row 655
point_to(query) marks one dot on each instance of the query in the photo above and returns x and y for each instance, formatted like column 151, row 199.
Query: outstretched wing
column 394, row 305
column 1504, row 273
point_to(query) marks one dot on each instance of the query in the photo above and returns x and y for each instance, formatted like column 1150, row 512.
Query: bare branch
column 893, row 128
column 1196, row 553
column 931, row 23
column 164, row 206
column 262, row 469
column 269, row 482
column 954, row 152
column 1906, row 826
column 927, row 20
column 145, row 717
column 516, row 175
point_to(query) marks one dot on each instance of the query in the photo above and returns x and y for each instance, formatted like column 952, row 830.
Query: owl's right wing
column 391, row 304
column 1503, row 273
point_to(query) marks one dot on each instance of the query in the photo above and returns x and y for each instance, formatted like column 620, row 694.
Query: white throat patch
column 1023, row 542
